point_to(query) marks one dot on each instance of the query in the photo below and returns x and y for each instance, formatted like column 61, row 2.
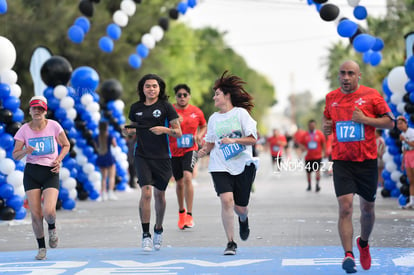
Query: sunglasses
column 181, row 95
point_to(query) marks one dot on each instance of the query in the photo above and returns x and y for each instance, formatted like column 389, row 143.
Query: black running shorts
column 184, row 163
column 352, row 177
column 240, row 185
column 39, row 177
column 155, row 172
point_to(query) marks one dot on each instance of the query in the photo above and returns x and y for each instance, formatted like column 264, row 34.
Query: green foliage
column 184, row 55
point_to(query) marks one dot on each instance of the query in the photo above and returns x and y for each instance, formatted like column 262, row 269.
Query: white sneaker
column 408, row 206
column 157, row 240
column 112, row 196
column 104, row 196
column 147, row 244
column 53, row 238
column 41, row 254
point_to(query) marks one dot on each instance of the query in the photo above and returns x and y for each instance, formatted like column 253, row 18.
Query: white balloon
column 7, row 166
column 120, row 18
column 15, row 178
column 119, row 105
column 20, row 191
column 80, row 158
column 395, row 175
column 157, row 32
column 97, row 185
column 86, row 99
column 2, row 153
column 73, row 193
column 64, row 173
column 396, row 98
column 15, row 90
column 390, row 166
column 148, row 41
column 69, row 183
column 93, row 107
column 397, row 78
column 96, row 116
column 67, row 103
column 125, row 164
column 95, row 176
column 387, row 157
column 60, row 91
column 129, row 7
column 71, row 113
column 353, row 3
column 88, row 168
column 8, row 77
column 400, row 107
column 7, row 54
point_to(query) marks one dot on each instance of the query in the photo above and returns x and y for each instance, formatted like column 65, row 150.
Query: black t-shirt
column 160, row 113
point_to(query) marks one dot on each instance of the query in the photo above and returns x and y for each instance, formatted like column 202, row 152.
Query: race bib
column 312, row 145
column 185, row 141
column 231, row 150
column 348, row 131
column 42, row 145
column 276, row 148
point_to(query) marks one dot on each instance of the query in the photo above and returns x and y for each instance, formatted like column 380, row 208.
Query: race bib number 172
column 348, row 131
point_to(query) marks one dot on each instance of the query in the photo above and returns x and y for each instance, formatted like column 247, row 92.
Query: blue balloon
column 386, row 175
column 6, row 141
column 84, row 23
column 375, row 58
column 84, row 80
column 15, row 202
column 142, row 50
column 409, row 67
column 360, row 12
column 114, row 31
column 20, row 165
column 88, row 151
column 76, row 34
column 68, row 204
column 409, row 86
column 134, row 61
column 74, row 173
column 63, row 194
column 106, row 44
column 4, row 90
column 121, row 186
column 389, row 184
column 385, row 87
column 378, row 45
column 366, row 57
column 67, row 123
column 402, row 200
column 347, row 28
column 411, row 96
column 18, row 115
column 60, row 113
column 93, row 194
column 11, row 103
column 397, row 159
column 53, row 103
column 48, row 93
column 363, row 42
column 395, row 193
column 69, row 163
column 20, row 213
column 6, row 191
column 394, row 150
column 182, row 7
column 3, row 6
column 191, row 3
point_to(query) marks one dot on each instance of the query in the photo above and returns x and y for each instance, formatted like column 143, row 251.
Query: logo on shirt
column 360, row 101
column 193, row 115
column 139, row 113
column 335, row 104
column 156, row 113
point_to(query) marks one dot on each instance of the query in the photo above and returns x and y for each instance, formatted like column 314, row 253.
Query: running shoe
column 231, row 248
column 147, row 244
column 408, row 206
column 317, row 188
column 189, row 222
column 112, row 196
column 157, row 240
column 53, row 238
column 244, row 230
column 41, row 254
column 182, row 219
column 348, row 263
column 364, row 255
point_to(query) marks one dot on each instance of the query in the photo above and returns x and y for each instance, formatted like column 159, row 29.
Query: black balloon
column 405, row 189
column 86, row 8
column 164, row 23
column 403, row 179
column 6, row 116
column 358, row 32
column 12, row 128
column 2, row 204
column 7, row 213
column 56, row 71
column 409, row 108
column 111, row 89
column 173, row 13
column 329, row 12
column 320, row 1
column 385, row 193
column 137, row 1
column 83, row 195
column 406, row 98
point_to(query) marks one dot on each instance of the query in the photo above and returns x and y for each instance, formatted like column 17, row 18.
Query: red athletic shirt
column 192, row 118
column 353, row 141
column 275, row 149
column 314, row 144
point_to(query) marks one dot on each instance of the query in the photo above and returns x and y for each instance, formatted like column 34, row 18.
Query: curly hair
column 233, row 85
column 161, row 83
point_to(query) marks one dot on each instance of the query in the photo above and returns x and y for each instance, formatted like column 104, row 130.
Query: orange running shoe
column 182, row 219
column 189, row 222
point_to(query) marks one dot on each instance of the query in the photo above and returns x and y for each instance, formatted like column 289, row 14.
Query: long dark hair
column 233, row 85
column 102, row 147
column 161, row 83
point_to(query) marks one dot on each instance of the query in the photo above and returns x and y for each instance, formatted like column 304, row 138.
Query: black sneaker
column 318, row 188
column 244, row 229
column 231, row 248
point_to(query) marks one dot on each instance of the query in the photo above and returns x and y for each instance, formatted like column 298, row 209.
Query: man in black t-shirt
column 154, row 118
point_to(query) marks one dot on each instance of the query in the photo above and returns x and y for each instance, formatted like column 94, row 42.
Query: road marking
column 319, row 261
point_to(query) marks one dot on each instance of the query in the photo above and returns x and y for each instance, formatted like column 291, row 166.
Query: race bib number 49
column 348, row 131
column 231, row 150
column 42, row 145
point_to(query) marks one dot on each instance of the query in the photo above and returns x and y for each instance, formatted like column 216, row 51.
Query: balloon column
column 11, row 116
column 369, row 46
column 55, row 73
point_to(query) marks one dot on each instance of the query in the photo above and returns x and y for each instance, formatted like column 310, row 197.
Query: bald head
column 349, row 75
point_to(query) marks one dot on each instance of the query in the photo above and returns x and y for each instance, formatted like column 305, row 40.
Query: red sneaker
column 364, row 255
column 182, row 219
column 189, row 222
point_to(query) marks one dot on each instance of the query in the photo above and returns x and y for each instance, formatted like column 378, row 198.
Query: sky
column 284, row 40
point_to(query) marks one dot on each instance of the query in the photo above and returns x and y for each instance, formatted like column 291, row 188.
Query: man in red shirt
column 276, row 144
column 313, row 142
column 184, row 152
column 352, row 113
